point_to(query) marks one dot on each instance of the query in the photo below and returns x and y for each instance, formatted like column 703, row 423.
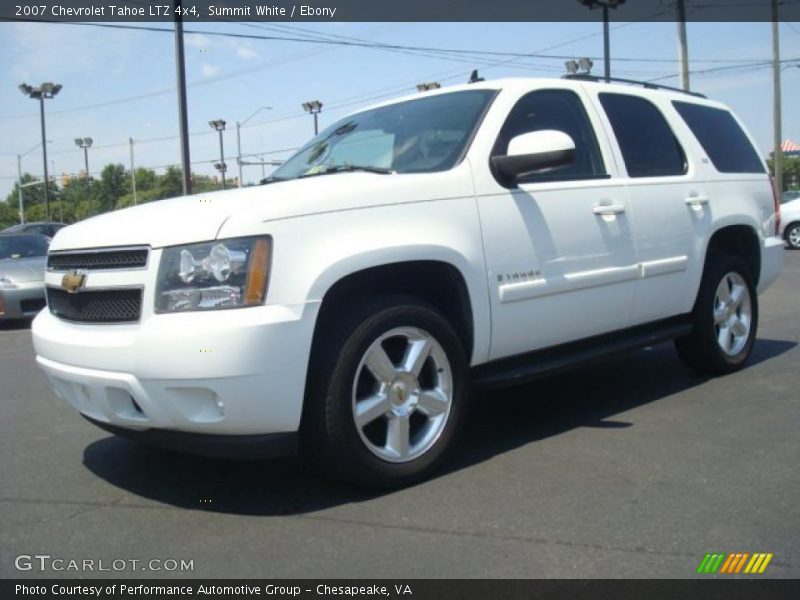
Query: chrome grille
column 116, row 258
column 96, row 306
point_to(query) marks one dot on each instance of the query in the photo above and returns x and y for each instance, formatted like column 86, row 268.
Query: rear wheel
column 792, row 236
column 386, row 394
column 724, row 319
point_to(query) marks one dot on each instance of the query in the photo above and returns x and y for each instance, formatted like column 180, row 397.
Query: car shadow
column 498, row 422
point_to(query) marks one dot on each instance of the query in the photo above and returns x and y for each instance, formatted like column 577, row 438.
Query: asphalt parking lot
column 631, row 468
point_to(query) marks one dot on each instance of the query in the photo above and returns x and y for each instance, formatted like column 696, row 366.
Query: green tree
column 32, row 195
column 791, row 171
column 113, row 184
column 9, row 215
column 146, row 179
column 204, row 183
column 170, row 184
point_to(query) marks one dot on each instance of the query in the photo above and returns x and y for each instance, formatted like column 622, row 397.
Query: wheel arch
column 740, row 240
column 439, row 282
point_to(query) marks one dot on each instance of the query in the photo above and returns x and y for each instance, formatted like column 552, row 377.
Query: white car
column 468, row 237
column 790, row 223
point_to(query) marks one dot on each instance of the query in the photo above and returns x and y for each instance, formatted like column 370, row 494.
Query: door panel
column 559, row 247
column 557, row 271
column 669, row 203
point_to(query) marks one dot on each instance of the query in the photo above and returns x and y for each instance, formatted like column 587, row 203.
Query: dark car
column 22, row 263
column 40, row 227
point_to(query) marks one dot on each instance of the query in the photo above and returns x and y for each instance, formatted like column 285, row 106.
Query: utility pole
column 19, row 188
column 776, row 100
column 182, row 111
column 683, row 51
column 133, row 173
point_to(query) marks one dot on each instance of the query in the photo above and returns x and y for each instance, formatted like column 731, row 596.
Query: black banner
column 192, row 11
column 439, row 589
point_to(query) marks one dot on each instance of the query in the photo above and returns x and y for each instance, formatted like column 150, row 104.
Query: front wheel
column 387, row 393
column 724, row 319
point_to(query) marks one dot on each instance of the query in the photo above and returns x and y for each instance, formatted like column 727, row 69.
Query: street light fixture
column 428, row 85
column 605, row 5
column 582, row 64
column 239, row 140
column 85, row 143
column 45, row 91
column 219, row 126
column 313, row 107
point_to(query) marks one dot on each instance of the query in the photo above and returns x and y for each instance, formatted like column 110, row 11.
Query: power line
column 440, row 53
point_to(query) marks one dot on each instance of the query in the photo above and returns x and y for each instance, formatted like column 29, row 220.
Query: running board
column 529, row 367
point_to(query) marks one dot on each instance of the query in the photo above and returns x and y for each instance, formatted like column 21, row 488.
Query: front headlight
column 220, row 274
column 6, row 283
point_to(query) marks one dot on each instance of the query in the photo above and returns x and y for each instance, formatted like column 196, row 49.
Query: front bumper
column 771, row 261
column 237, row 372
column 22, row 302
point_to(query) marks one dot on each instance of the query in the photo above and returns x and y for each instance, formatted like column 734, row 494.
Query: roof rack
column 646, row 84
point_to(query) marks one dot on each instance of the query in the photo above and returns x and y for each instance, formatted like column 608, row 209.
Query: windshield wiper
column 350, row 169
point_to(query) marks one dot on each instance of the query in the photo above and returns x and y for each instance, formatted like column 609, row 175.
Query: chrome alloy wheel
column 794, row 236
column 402, row 394
column 733, row 314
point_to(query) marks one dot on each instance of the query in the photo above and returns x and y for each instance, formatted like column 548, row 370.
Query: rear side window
column 721, row 137
column 648, row 145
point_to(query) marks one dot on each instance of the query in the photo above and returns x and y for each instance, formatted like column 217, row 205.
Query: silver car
column 22, row 264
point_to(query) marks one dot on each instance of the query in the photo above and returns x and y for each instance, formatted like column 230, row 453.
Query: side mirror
column 535, row 151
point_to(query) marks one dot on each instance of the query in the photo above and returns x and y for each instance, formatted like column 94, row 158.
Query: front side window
column 423, row 135
column 563, row 111
column 648, row 145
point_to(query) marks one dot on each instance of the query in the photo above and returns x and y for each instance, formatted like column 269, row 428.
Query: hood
column 23, row 269
column 200, row 217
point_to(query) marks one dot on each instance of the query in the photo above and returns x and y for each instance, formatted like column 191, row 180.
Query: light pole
column 219, row 126
column 605, row 5
column 183, row 111
column 45, row 91
column 313, row 107
column 85, row 143
column 239, row 140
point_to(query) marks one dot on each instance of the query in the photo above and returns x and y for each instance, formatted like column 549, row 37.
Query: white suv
column 467, row 237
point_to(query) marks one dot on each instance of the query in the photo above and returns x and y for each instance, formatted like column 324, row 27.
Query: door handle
column 608, row 209
column 697, row 201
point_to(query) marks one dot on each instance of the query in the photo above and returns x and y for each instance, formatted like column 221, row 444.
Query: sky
column 120, row 84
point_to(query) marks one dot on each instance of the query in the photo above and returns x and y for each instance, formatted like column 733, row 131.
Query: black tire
column 701, row 349
column 329, row 431
column 787, row 235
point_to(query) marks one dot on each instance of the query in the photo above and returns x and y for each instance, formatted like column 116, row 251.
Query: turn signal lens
column 259, row 272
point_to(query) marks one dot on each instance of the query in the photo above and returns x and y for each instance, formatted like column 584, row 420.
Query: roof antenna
column 474, row 78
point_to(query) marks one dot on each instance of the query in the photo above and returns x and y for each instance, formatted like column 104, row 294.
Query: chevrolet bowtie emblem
column 73, row 281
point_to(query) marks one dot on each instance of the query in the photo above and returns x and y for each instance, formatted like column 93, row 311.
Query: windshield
column 423, row 135
column 22, row 246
